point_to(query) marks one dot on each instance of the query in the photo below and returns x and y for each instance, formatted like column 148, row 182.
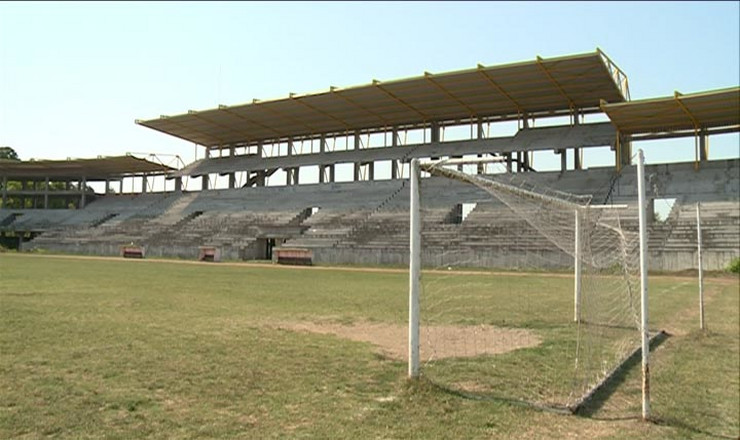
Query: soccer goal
column 518, row 291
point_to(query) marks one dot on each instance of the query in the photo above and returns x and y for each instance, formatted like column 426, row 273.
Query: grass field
column 95, row 348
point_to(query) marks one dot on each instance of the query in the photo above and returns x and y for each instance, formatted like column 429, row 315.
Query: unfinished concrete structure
column 372, row 131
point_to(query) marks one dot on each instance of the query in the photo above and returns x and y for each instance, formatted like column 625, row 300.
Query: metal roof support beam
column 294, row 119
column 695, row 123
column 500, row 90
column 361, row 107
column 377, row 84
column 266, row 127
column 323, row 113
column 540, row 63
column 429, row 78
column 200, row 117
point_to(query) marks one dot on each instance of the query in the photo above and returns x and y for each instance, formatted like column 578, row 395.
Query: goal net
column 527, row 293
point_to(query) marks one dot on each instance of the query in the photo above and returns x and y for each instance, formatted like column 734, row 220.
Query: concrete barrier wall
column 671, row 261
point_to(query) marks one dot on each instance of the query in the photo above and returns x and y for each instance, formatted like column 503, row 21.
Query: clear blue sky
column 75, row 76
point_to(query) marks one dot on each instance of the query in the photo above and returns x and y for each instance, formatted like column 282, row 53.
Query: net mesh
column 498, row 312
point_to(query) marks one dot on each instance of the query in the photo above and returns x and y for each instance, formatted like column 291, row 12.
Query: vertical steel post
column 414, row 269
column 643, row 286
column 701, row 268
column 577, row 275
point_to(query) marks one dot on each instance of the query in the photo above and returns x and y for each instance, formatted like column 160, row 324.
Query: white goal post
column 575, row 249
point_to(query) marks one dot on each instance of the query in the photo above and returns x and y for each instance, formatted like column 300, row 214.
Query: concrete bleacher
column 367, row 222
column 720, row 224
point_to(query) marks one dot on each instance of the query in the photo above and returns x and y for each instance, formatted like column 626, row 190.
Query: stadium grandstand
column 566, row 105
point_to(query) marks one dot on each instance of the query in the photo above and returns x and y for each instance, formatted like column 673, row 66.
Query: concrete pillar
column 107, row 186
column 577, row 151
column 204, row 178
column 144, row 184
column 435, row 132
column 232, row 180
column 479, row 168
column 525, row 154
column 508, row 161
column 296, row 176
column 394, row 163
column 5, row 191
column 563, row 152
column 178, row 184
column 46, row 193
column 518, row 161
column 83, row 197
column 371, row 171
column 703, row 147
column 357, row 164
column 623, row 154
column 260, row 153
column 322, row 168
column 290, row 147
column 331, row 173
column 120, row 186
column 291, row 177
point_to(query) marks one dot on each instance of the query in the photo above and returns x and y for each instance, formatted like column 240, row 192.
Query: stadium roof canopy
column 549, row 86
column 90, row 169
column 705, row 111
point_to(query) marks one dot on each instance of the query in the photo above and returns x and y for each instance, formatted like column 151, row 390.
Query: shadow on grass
column 686, row 427
column 591, row 404
column 594, row 401
column 424, row 383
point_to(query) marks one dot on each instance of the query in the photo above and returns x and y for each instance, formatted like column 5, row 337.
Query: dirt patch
column 436, row 342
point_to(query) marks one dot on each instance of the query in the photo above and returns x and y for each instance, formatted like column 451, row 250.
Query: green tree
column 8, row 154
